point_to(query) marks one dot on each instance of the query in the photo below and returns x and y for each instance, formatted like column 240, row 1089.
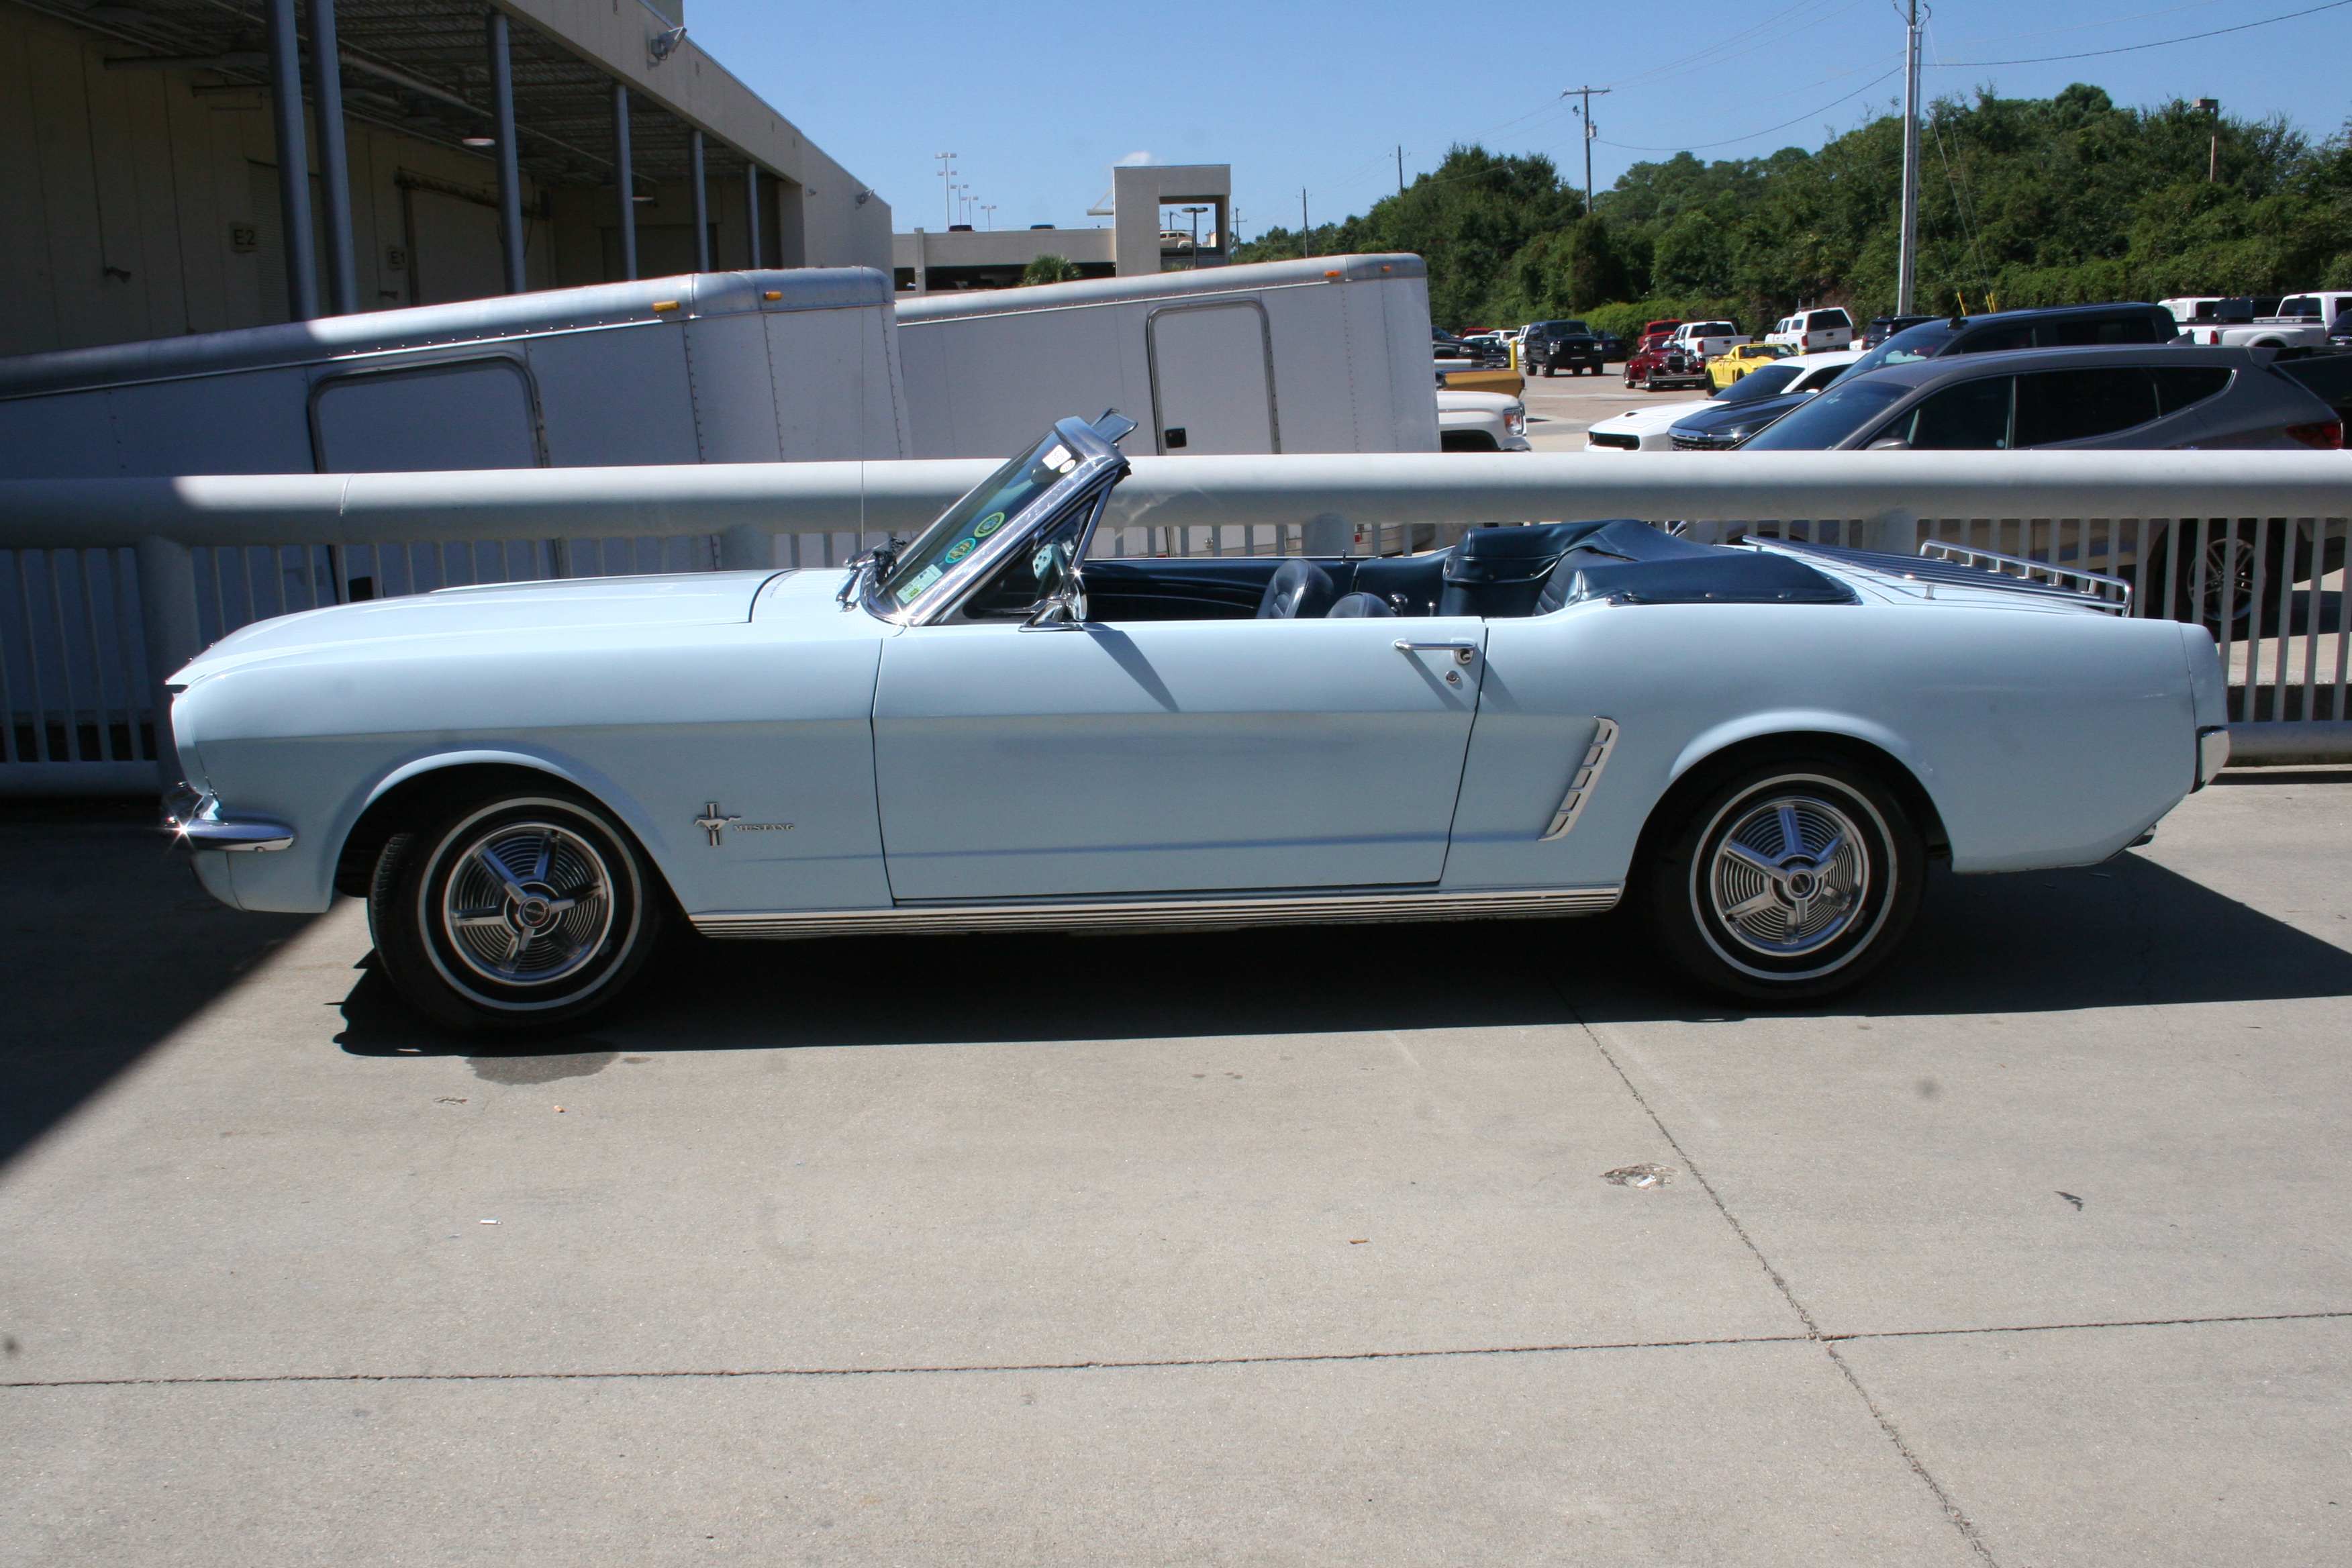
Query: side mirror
column 1891, row 444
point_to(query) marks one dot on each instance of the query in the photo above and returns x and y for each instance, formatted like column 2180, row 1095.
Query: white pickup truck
column 1706, row 339
column 2302, row 320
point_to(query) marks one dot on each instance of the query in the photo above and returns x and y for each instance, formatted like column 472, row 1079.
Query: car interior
column 1499, row 573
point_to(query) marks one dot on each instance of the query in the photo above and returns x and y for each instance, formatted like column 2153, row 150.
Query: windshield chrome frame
column 1100, row 465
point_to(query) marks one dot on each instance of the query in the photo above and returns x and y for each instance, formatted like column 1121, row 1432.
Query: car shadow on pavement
column 2127, row 933
column 106, row 944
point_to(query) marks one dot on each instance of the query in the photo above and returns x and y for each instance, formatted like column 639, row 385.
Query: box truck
column 1323, row 354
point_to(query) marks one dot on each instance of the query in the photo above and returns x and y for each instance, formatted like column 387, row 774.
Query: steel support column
column 701, row 203
column 334, row 162
column 293, row 163
column 510, row 231
column 624, row 178
column 751, row 209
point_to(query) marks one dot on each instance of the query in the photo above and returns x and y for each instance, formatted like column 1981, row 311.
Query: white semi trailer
column 720, row 368
column 1323, row 355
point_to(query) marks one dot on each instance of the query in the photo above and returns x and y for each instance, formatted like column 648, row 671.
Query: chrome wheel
column 1789, row 877
column 529, row 903
column 514, row 910
column 1787, row 874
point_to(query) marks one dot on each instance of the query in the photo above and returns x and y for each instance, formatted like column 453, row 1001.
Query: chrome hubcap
column 1790, row 877
column 529, row 903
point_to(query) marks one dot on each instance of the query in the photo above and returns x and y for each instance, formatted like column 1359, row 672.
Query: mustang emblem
column 716, row 823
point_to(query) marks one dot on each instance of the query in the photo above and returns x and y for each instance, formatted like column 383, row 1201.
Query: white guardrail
column 106, row 586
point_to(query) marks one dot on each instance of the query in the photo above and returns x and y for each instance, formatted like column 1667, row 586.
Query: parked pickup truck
column 1551, row 347
column 2301, row 321
column 1706, row 339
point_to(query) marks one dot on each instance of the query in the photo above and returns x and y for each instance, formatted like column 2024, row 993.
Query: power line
column 2161, row 43
column 1824, row 108
column 2085, row 26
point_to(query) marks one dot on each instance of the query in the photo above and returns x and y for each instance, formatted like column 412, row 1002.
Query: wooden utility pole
column 1906, row 266
column 1586, row 93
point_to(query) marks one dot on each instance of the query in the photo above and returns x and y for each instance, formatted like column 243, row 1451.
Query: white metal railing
column 107, row 584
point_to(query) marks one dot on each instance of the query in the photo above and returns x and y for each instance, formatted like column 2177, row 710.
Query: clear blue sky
column 1040, row 101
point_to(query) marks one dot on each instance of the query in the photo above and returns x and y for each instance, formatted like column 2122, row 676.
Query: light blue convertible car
column 1759, row 747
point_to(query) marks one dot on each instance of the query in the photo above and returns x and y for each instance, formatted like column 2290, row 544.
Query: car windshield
column 1764, row 381
column 950, row 542
column 1818, row 426
column 1924, row 341
column 1564, row 329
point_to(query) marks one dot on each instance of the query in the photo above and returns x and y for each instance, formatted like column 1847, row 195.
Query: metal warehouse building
column 451, row 150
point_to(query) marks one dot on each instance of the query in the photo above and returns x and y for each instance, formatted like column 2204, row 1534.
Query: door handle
column 1463, row 652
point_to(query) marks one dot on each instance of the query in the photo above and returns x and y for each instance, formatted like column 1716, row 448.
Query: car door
column 1171, row 756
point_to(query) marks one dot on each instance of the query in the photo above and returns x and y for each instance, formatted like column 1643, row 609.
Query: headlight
column 1515, row 421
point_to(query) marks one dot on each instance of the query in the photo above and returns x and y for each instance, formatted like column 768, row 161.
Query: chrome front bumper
column 194, row 817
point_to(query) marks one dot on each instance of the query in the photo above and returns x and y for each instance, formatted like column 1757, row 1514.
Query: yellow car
column 1727, row 368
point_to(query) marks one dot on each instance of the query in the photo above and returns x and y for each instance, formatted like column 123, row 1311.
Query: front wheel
column 1782, row 879
column 514, row 911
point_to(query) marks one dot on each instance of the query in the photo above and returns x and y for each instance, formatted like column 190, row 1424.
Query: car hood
column 683, row 599
column 1646, row 421
column 1712, row 417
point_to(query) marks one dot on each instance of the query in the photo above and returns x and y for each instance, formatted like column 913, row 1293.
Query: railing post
column 1328, row 534
column 746, row 547
column 1895, row 532
column 168, row 624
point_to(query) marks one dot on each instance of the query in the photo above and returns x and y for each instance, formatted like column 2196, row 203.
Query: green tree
column 1049, row 269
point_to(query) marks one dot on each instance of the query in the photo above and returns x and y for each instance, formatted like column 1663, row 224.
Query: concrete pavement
column 1270, row 1247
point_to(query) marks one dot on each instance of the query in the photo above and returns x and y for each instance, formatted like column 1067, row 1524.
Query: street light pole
column 947, row 178
column 2213, row 149
column 1906, row 271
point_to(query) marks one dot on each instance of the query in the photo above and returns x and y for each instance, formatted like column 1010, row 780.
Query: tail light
column 2214, row 337
column 2328, row 435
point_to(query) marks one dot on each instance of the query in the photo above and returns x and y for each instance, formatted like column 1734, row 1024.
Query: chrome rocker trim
column 1580, row 788
column 1168, row 914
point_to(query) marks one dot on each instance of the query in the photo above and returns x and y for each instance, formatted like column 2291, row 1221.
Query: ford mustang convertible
column 1758, row 748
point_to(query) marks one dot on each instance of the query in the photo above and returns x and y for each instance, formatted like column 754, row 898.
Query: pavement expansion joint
column 1167, row 1363
column 1953, row 1514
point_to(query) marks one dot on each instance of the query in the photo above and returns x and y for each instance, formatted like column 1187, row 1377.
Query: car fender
column 1802, row 721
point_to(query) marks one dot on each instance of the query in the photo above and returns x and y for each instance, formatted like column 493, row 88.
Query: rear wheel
column 1782, row 878
column 514, row 911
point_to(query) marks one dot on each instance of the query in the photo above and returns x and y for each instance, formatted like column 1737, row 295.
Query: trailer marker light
column 772, row 294
column 1330, row 275
column 665, row 304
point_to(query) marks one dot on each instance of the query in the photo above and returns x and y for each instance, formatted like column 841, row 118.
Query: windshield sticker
column 958, row 550
column 924, row 579
column 988, row 525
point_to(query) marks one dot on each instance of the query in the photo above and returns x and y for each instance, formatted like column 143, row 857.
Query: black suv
column 1551, row 347
column 2051, row 327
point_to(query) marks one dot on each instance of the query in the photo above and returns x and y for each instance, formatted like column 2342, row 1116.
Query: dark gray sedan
column 2169, row 397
